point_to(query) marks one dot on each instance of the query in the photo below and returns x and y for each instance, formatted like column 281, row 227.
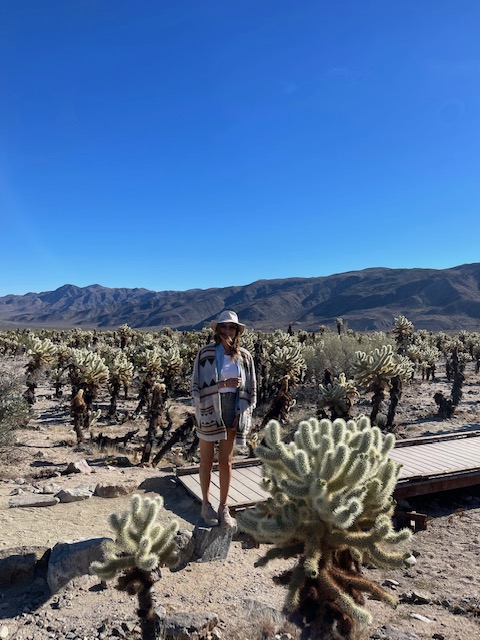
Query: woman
column 224, row 391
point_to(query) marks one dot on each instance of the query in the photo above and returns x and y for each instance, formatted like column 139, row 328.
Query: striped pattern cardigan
column 206, row 397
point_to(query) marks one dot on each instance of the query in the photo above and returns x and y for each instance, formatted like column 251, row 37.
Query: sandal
column 224, row 517
column 209, row 515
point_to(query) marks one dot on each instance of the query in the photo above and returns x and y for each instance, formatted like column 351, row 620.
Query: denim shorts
column 229, row 401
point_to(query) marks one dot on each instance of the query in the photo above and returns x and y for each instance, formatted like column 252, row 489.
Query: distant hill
column 370, row 299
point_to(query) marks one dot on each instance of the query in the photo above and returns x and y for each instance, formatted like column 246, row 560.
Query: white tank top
column 229, row 370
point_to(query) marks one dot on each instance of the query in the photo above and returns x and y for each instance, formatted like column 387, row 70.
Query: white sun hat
column 228, row 316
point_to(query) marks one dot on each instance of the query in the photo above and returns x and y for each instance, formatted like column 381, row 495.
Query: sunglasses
column 230, row 327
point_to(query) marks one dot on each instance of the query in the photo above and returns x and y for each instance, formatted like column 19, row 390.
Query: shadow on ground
column 175, row 497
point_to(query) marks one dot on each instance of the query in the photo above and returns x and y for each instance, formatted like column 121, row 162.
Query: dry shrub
column 263, row 623
column 13, row 408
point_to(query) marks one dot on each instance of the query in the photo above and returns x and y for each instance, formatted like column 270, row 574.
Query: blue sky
column 188, row 144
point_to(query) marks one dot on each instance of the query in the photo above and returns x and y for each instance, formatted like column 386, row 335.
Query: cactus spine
column 331, row 503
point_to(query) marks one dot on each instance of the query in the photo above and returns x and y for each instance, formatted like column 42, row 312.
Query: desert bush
column 337, row 353
column 13, row 408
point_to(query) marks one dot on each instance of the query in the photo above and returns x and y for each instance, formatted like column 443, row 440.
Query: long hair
column 234, row 343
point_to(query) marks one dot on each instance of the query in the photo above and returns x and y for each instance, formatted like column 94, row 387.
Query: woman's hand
column 230, row 382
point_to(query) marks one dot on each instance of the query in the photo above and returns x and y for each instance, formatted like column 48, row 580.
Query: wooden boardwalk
column 437, row 463
column 431, row 464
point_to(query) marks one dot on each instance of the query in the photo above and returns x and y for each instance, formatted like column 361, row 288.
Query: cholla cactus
column 90, row 366
column 42, row 352
column 337, row 396
column 428, row 357
column 377, row 369
column 141, row 545
column 285, row 356
column 287, row 360
column 125, row 332
column 403, row 332
column 9, row 343
column 248, row 340
column 58, row 378
column 171, row 365
column 121, row 374
column 87, row 372
column 331, row 502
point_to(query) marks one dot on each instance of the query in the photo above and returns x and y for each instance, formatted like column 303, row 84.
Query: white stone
column 410, row 561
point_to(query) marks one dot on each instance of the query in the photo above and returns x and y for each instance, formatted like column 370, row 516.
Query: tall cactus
column 41, row 352
column 403, row 332
column 141, row 545
column 120, row 375
column 375, row 370
column 286, row 368
column 331, row 504
column 88, row 372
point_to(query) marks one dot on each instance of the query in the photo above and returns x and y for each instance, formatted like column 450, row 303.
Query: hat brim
column 241, row 327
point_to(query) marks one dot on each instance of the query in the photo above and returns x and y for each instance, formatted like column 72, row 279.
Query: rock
column 418, row 616
column 51, row 488
column 420, row 598
column 113, row 490
column 20, row 564
column 82, row 492
column 414, row 597
column 71, row 559
column 184, row 626
column 212, row 543
column 4, row 632
column 185, row 546
column 121, row 461
column 80, row 466
column 389, row 632
column 410, row 561
column 255, row 609
column 32, row 500
column 389, row 582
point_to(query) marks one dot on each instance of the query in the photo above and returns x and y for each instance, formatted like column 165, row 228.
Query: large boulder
column 22, row 564
column 212, row 543
column 69, row 560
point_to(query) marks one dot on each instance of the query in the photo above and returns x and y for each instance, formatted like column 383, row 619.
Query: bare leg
column 225, row 454
column 207, row 451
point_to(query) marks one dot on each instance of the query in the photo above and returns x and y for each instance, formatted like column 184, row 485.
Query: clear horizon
column 176, row 146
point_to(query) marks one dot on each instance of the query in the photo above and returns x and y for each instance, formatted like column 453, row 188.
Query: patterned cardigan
column 206, row 397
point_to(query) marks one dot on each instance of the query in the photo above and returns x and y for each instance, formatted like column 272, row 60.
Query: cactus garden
column 324, row 556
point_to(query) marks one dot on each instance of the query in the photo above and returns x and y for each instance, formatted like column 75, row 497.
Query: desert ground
column 439, row 597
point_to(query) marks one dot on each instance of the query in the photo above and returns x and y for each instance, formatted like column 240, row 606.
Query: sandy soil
column 439, row 596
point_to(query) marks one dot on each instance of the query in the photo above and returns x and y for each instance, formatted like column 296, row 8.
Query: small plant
column 141, row 545
column 337, row 396
column 13, row 408
column 331, row 507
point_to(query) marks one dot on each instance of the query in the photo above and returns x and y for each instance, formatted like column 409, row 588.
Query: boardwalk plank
column 435, row 465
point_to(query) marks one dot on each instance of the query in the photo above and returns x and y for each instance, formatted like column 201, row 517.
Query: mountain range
column 366, row 300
